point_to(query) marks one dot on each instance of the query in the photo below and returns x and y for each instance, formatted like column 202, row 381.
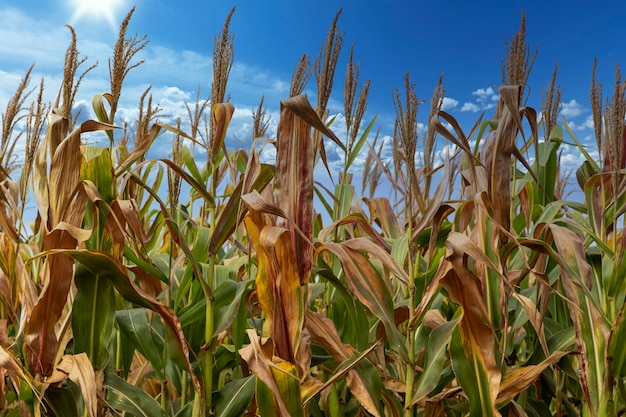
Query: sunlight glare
column 96, row 10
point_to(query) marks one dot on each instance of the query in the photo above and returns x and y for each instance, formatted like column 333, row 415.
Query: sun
column 96, row 10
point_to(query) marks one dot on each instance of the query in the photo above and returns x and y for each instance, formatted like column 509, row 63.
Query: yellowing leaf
column 258, row 356
column 517, row 380
column 278, row 287
column 79, row 370
column 367, row 284
column 222, row 113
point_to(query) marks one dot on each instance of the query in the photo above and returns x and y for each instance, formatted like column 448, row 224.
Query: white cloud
column 485, row 94
column 571, row 160
column 268, row 154
column 473, row 107
column 587, row 124
column 571, row 109
column 449, row 103
column 175, row 93
column 486, row 98
column 20, row 45
column 175, row 76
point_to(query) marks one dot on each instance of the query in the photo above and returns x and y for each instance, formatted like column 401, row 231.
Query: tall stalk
column 223, row 56
column 406, row 132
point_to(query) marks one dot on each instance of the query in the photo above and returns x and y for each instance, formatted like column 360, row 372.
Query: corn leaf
column 591, row 327
column 97, row 102
column 361, row 377
column 294, row 187
column 518, row 380
column 278, row 287
column 105, row 266
column 356, row 149
column 471, row 373
column 434, row 355
column 472, row 348
column 43, row 343
column 234, row 397
column 258, row 356
column 233, row 212
column 92, row 323
column 286, row 377
column 371, row 289
column 79, row 370
column 97, row 167
column 200, row 188
column 382, row 213
column 122, row 396
column 146, row 335
column 222, row 113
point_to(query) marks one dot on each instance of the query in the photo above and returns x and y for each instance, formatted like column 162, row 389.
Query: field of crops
column 212, row 283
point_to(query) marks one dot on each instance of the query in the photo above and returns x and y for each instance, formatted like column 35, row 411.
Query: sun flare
column 96, row 10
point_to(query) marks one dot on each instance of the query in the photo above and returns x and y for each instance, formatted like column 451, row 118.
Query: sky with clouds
column 464, row 40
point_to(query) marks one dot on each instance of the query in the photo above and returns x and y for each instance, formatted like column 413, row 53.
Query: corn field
column 213, row 283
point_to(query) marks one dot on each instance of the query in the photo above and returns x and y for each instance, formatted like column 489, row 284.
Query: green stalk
column 164, row 383
column 118, row 350
column 208, row 333
column 209, row 310
column 410, row 331
column 197, row 405
column 183, row 383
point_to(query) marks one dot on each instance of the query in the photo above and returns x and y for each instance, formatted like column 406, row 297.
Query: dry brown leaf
column 294, row 187
column 324, row 332
column 57, row 273
column 79, row 370
column 382, row 213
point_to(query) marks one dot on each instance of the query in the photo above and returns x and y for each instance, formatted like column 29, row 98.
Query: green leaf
column 356, row 149
column 471, row 375
column 122, row 396
column 617, row 343
column 434, row 356
column 60, row 402
column 344, row 193
column 286, row 377
column 146, row 335
column 93, row 316
column 103, row 264
column 546, row 168
column 233, row 399
column 233, row 212
column 190, row 164
column 227, row 302
column 97, row 167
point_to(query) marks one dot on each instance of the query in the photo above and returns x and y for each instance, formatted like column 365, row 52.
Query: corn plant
column 207, row 282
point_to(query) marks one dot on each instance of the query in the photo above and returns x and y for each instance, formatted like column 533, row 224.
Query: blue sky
column 464, row 40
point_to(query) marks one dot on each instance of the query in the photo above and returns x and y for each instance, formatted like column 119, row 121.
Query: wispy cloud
column 28, row 40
